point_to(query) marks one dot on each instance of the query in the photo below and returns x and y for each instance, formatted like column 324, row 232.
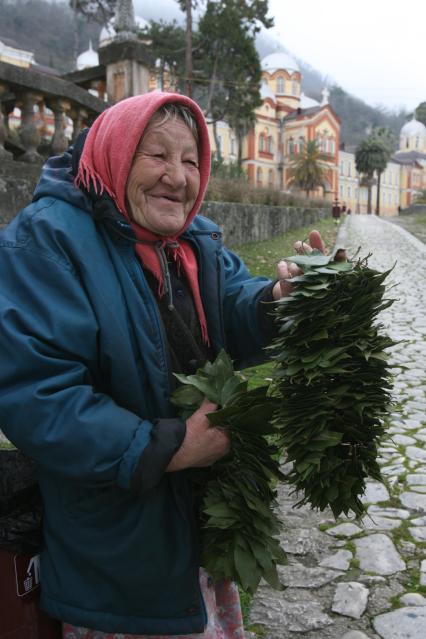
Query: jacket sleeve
column 51, row 404
column 243, row 311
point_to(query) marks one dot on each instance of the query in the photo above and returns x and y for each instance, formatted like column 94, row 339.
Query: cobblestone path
column 351, row 580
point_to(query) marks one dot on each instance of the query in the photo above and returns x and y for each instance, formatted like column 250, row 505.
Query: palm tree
column 370, row 156
column 308, row 168
column 385, row 137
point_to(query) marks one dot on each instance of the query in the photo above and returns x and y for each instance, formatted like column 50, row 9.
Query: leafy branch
column 333, row 380
column 238, row 493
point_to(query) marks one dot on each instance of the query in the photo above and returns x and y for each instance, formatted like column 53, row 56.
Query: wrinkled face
column 164, row 179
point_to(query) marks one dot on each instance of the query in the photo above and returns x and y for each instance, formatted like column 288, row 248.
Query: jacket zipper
column 147, row 290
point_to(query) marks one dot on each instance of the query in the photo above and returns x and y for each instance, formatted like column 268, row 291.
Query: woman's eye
column 192, row 163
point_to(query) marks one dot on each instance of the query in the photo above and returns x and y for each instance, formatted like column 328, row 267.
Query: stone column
column 79, row 118
column 30, row 135
column 128, row 71
column 4, row 155
column 59, row 141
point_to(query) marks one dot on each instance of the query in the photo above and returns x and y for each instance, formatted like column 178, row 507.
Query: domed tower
column 282, row 74
column 412, row 137
column 87, row 59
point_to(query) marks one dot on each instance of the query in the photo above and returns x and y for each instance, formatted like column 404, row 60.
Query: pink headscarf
column 105, row 164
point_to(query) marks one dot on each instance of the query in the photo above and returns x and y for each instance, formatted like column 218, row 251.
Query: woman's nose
column 175, row 175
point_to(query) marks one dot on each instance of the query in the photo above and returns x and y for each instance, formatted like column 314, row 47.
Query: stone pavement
column 352, row 580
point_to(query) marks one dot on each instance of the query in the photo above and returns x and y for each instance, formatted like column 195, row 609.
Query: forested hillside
column 49, row 29
column 56, row 36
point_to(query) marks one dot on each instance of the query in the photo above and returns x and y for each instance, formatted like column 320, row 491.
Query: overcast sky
column 375, row 49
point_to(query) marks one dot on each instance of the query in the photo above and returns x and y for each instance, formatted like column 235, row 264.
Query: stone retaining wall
column 240, row 223
column 414, row 208
column 17, row 183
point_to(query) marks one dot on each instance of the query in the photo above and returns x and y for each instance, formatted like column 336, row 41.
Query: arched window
column 271, row 177
column 270, row 144
column 290, row 146
column 333, row 148
column 280, row 84
column 295, row 87
column 259, row 176
column 301, row 142
column 232, row 146
column 262, row 142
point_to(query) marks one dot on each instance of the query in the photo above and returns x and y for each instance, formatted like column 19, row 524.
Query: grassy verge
column 261, row 257
column 414, row 223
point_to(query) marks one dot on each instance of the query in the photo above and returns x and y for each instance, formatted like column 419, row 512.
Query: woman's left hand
column 287, row 270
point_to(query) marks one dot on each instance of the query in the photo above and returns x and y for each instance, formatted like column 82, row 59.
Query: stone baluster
column 79, row 118
column 59, row 141
column 4, row 155
column 30, row 135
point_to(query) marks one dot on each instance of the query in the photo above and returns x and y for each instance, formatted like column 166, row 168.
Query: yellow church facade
column 285, row 121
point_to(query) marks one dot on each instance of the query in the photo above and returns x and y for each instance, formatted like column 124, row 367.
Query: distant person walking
column 336, row 211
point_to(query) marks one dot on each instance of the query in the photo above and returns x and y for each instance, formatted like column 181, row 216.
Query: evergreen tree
column 420, row 113
column 187, row 6
column 228, row 65
column 225, row 69
column 168, row 47
column 98, row 10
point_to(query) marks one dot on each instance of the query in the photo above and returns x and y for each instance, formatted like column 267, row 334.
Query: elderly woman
column 110, row 283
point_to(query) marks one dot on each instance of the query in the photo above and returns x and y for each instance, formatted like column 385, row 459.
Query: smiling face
column 164, row 179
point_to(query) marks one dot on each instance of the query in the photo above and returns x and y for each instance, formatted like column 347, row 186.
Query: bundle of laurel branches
column 237, row 493
column 332, row 379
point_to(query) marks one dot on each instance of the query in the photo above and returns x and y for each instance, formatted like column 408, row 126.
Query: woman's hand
column 287, row 270
column 203, row 444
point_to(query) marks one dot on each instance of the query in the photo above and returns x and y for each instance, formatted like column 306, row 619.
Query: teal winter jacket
column 85, row 384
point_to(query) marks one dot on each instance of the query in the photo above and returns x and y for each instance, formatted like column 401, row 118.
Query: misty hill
column 56, row 36
column 49, row 29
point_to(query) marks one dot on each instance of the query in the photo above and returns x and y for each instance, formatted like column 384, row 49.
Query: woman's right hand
column 203, row 444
